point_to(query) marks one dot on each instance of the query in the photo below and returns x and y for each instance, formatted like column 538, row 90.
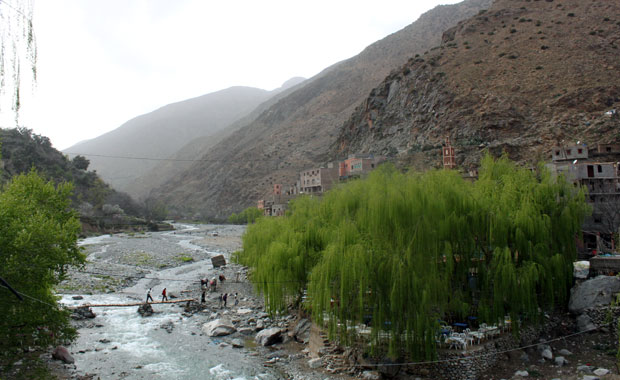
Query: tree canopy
column 38, row 240
column 402, row 251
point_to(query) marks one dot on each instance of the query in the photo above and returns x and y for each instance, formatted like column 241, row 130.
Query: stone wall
column 471, row 363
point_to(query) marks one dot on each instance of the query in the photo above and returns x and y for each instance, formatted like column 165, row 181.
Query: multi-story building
column 357, row 165
column 602, row 181
column 318, row 180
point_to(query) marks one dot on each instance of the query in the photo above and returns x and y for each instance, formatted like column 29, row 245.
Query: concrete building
column 317, row 180
column 569, row 153
column 357, row 165
column 602, row 181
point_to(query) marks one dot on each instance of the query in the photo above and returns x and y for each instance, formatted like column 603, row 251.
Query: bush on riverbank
column 402, row 251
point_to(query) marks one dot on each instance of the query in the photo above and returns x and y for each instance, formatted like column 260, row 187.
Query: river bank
column 172, row 343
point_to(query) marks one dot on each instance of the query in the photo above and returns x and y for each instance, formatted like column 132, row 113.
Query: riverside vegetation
column 401, row 252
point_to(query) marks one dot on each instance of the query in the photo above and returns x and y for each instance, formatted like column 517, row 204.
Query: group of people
column 164, row 295
column 224, row 298
column 212, row 285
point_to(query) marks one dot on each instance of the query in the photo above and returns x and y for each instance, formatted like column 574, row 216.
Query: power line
column 33, row 298
column 140, row 158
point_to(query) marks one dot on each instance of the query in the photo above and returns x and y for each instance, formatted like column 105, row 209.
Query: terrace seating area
column 459, row 336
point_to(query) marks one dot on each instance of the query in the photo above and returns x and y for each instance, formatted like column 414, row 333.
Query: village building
column 318, row 180
column 602, row 181
column 357, row 165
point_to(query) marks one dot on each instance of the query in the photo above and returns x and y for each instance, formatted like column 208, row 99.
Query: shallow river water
column 120, row 344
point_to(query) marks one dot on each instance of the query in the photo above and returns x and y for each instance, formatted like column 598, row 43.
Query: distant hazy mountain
column 297, row 131
column 161, row 133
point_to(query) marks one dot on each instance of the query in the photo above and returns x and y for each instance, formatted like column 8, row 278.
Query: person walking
column 224, row 298
column 236, row 298
column 202, row 297
column 220, row 298
column 148, row 296
column 164, row 297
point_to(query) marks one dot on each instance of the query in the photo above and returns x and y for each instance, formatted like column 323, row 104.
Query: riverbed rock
column 601, row 371
column 84, row 312
column 61, row 353
column 315, row 363
column 168, row 326
column 269, row 337
column 237, row 343
column 547, row 354
column 584, row 323
column 596, row 292
column 301, row 331
column 219, row 327
column 77, row 297
column 145, row 310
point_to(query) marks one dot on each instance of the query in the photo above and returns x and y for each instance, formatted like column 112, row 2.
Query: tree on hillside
column 38, row 241
column 80, row 162
column 402, row 251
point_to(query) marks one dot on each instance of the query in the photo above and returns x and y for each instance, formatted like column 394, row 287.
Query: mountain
column 182, row 159
column 297, row 131
column 521, row 78
column 161, row 133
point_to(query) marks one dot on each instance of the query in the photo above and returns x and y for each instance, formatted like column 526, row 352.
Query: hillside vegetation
column 21, row 150
column 399, row 252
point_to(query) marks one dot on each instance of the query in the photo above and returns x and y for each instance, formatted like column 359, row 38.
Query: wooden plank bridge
column 132, row 304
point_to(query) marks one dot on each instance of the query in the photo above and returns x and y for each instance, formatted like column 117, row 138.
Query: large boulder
column 301, row 331
column 219, row 327
column 61, row 353
column 596, row 292
column 268, row 337
column 83, row 313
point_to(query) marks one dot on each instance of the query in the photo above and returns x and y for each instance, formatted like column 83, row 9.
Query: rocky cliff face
column 519, row 78
column 296, row 132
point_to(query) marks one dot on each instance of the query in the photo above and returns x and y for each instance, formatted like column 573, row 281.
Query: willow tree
column 402, row 251
column 18, row 52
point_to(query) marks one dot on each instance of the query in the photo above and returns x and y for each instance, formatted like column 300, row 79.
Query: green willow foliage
column 402, row 251
column 247, row 216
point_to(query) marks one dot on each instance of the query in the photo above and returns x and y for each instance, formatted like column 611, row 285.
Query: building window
column 568, row 151
column 599, row 168
column 608, row 149
column 557, row 152
column 579, row 150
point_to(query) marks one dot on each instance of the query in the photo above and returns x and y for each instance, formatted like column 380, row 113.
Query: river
column 121, row 344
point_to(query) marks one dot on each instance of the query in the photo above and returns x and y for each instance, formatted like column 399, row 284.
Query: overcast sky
column 104, row 62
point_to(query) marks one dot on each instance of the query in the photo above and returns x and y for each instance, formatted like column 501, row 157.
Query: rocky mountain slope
column 161, row 133
column 297, row 131
column 520, row 78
